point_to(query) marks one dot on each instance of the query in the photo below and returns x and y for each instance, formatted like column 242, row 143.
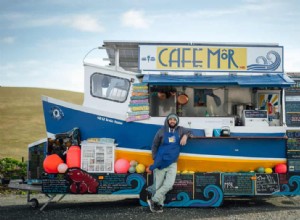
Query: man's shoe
column 158, row 207
column 154, row 207
column 151, row 205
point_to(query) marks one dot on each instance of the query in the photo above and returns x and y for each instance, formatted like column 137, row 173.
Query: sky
column 43, row 42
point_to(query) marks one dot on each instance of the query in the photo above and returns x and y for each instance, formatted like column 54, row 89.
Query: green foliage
column 12, row 168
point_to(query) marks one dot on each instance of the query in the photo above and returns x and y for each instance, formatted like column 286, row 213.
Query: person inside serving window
column 164, row 92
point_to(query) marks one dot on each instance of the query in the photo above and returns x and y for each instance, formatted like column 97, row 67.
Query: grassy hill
column 21, row 117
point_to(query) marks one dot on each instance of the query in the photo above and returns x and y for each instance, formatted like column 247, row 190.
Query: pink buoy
column 122, row 166
column 62, row 168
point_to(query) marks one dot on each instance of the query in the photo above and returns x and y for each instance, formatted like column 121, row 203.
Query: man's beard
column 172, row 126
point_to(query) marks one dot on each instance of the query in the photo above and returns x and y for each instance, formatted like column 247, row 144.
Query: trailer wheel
column 34, row 203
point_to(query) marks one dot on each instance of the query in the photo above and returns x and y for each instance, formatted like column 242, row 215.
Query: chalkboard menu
column 292, row 119
column 256, row 114
column 292, row 107
column 55, row 183
column 293, row 150
column 109, row 184
column 204, row 179
column 36, row 156
column 267, row 184
column 183, row 183
column 237, row 184
column 293, row 133
column 77, row 181
column 293, row 144
column 294, row 165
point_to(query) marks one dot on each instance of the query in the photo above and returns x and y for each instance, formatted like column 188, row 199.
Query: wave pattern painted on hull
column 140, row 182
column 214, row 201
column 292, row 188
column 268, row 64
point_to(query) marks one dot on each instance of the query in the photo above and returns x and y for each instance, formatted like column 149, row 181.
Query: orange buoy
column 74, row 157
column 51, row 163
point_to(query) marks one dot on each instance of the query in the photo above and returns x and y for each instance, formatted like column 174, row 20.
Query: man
column 163, row 92
column 165, row 153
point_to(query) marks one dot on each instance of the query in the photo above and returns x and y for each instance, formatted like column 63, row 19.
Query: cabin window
column 109, row 87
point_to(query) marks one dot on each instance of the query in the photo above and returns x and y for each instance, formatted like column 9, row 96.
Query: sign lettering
column 201, row 58
column 210, row 58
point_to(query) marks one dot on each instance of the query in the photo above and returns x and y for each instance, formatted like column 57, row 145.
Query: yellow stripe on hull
column 213, row 164
column 204, row 164
column 141, row 157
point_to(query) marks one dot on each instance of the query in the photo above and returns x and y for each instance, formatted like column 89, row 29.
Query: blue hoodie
column 166, row 144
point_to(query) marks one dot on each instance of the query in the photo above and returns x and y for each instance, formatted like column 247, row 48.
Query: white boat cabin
column 208, row 85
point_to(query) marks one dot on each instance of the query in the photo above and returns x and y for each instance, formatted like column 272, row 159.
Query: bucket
column 208, row 132
column 74, row 157
column 217, row 132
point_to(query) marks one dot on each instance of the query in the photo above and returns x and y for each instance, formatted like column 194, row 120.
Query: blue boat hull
column 134, row 141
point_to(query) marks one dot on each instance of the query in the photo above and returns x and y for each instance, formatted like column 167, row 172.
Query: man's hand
column 183, row 140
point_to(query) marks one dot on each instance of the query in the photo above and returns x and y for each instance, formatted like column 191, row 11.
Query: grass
column 22, row 120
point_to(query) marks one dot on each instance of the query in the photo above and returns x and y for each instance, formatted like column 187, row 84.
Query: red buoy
column 74, row 157
column 280, row 168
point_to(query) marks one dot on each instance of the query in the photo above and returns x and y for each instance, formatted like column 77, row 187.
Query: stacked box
column 139, row 103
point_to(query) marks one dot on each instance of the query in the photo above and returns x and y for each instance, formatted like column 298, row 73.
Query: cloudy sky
column 43, row 42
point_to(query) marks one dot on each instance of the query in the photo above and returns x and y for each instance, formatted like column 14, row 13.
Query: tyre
column 34, row 203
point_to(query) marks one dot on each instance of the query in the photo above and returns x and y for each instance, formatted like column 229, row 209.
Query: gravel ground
column 14, row 206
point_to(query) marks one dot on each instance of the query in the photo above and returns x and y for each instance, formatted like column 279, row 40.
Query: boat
column 231, row 96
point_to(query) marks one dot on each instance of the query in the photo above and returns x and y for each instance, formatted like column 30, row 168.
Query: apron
column 168, row 152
